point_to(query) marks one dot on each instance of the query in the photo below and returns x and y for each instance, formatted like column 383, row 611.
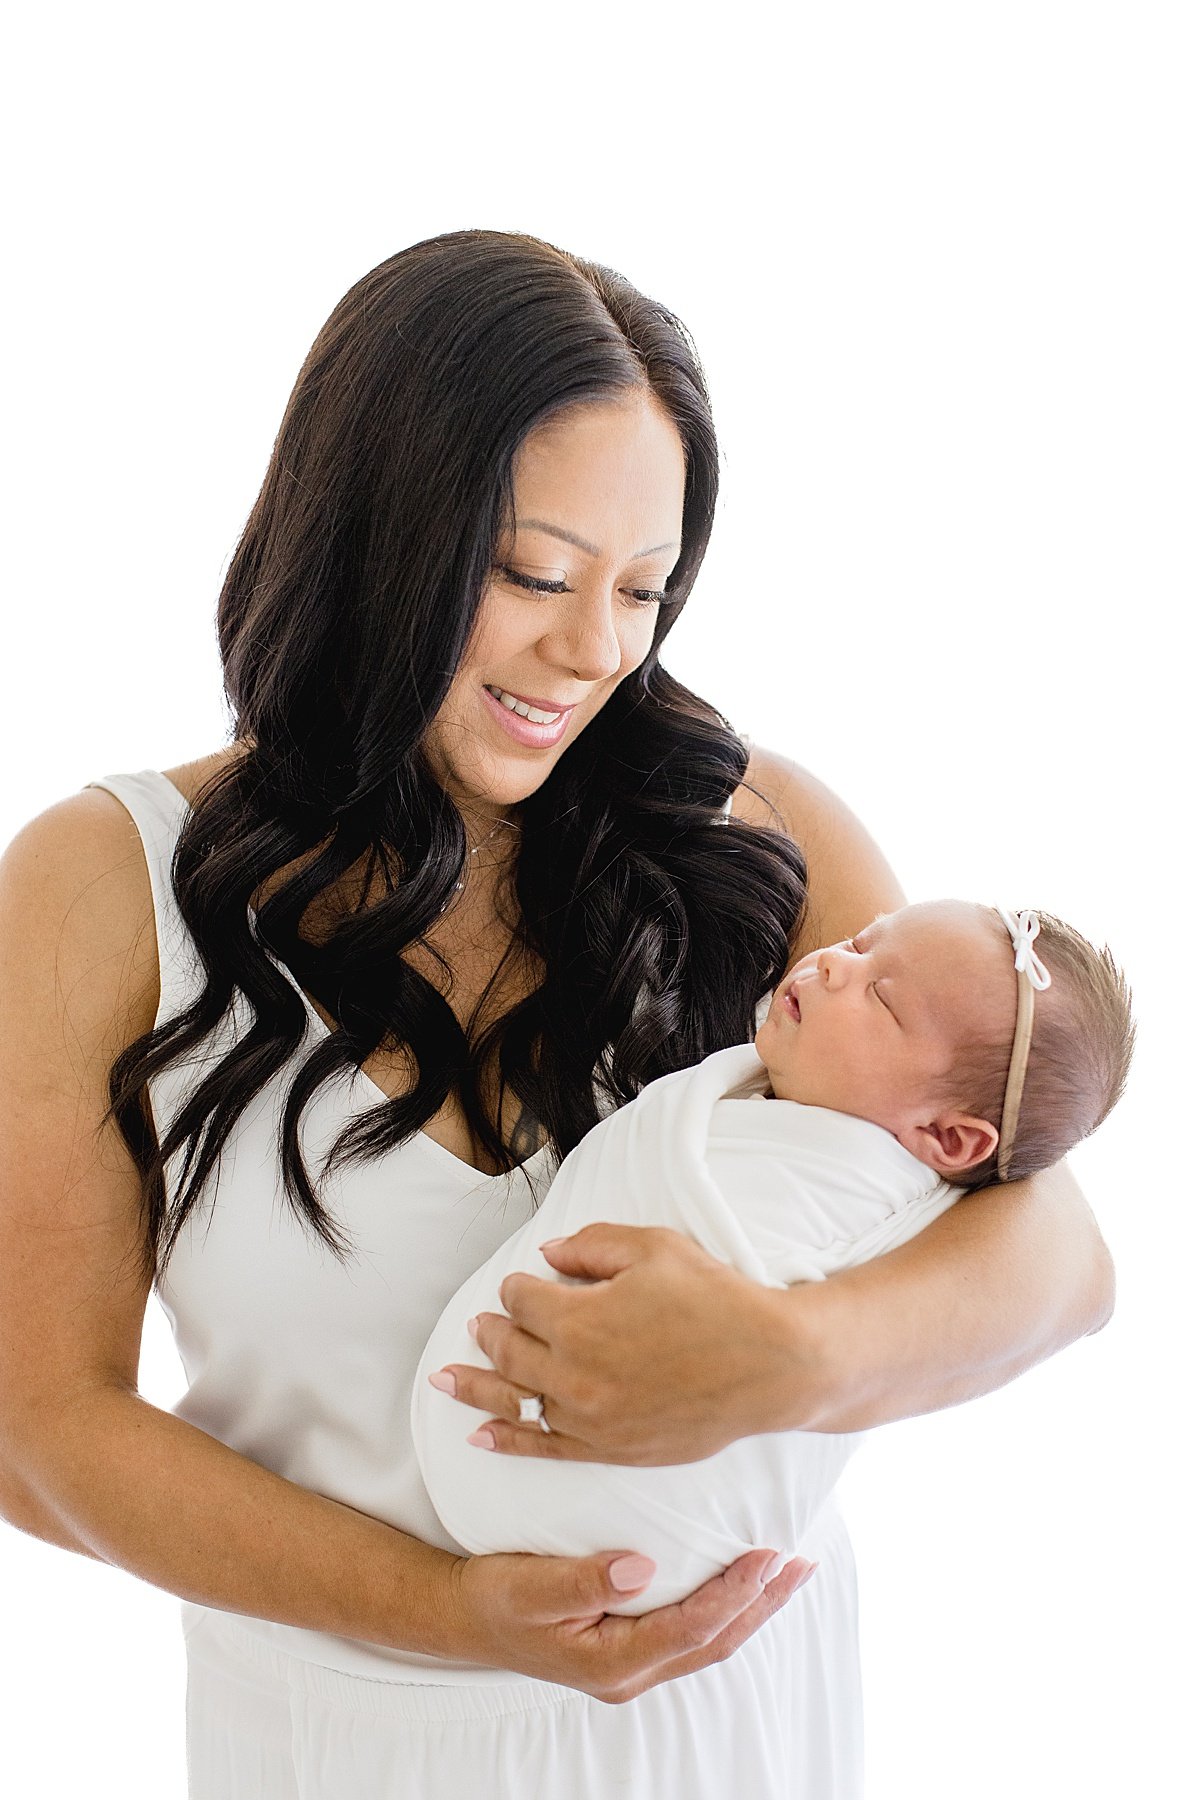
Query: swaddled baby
column 933, row 1052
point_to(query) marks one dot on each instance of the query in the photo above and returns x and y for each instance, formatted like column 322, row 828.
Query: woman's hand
column 664, row 1356
column 545, row 1616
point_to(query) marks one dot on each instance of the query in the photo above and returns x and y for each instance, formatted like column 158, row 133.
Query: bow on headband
column 1023, row 927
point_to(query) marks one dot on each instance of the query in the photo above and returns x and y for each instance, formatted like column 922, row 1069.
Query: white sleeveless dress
column 305, row 1365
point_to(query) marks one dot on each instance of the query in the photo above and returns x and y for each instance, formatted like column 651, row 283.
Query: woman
column 282, row 1026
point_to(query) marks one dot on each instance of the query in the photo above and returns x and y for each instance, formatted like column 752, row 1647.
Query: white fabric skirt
column 779, row 1720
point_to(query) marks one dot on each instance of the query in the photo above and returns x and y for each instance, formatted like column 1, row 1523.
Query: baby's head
column 910, row 1024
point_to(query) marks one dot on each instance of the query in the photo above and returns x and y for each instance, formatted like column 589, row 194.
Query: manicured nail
column 446, row 1383
column 473, row 1326
column 629, row 1572
column 550, row 1243
column 483, row 1439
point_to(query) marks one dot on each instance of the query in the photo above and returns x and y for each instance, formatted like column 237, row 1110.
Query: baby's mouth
column 789, row 1004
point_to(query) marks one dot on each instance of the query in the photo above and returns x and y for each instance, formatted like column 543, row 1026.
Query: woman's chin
column 497, row 782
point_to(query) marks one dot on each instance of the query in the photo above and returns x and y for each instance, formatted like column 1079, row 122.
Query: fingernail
column 629, row 1572
column 776, row 1565
column 446, row 1383
column 483, row 1439
column 550, row 1243
column 473, row 1326
column 808, row 1568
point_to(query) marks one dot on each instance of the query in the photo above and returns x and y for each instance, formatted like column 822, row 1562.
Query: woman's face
column 571, row 606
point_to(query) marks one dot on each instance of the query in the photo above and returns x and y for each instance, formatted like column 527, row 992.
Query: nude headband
column 1022, row 928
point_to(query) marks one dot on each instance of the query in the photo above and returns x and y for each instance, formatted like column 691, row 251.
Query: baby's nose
column 833, row 965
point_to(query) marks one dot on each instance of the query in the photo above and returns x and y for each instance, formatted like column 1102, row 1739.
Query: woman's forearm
column 118, row 1479
column 999, row 1282
column 29, row 1514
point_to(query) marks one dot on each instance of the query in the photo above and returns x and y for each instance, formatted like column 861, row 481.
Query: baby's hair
column 1083, row 1036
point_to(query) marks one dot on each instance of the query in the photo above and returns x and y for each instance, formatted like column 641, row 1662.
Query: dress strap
column 159, row 811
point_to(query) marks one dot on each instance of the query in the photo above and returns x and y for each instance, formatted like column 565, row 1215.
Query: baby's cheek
column 783, row 1067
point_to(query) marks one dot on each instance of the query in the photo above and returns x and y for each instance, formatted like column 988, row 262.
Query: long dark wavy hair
column 343, row 617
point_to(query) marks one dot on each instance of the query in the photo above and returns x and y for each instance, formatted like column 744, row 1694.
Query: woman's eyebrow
column 569, row 537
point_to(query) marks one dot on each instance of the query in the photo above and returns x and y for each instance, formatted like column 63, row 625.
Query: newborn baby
column 891, row 1072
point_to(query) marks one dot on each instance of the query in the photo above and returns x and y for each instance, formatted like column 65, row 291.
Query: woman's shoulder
column 77, row 898
column 849, row 879
column 778, row 792
column 73, row 843
column 90, row 835
column 192, row 777
column 77, row 916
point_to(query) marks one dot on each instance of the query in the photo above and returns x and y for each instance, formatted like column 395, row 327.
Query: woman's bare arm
column 849, row 879
column 87, row 1463
column 84, row 1461
column 996, row 1284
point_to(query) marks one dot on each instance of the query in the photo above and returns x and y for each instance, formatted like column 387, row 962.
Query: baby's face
column 871, row 1026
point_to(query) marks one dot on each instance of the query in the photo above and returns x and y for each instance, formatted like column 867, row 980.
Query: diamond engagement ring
column 533, row 1411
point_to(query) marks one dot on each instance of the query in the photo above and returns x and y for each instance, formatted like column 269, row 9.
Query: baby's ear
column 952, row 1144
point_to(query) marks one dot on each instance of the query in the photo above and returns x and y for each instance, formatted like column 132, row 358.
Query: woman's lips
column 523, row 730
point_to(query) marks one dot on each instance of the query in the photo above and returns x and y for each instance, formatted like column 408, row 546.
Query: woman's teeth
column 533, row 713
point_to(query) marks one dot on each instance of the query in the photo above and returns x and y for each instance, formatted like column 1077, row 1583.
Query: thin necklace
column 501, row 824
column 507, row 824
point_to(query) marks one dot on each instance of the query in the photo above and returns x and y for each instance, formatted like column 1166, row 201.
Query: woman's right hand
column 546, row 1616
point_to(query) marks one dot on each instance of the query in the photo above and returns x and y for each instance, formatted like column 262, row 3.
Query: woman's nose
column 588, row 642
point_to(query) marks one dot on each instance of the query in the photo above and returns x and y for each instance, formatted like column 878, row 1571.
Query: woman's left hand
column 659, row 1355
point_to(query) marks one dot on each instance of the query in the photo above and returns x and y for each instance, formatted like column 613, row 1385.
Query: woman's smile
column 533, row 723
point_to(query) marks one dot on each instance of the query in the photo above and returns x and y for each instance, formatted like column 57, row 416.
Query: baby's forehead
column 963, row 924
column 944, row 942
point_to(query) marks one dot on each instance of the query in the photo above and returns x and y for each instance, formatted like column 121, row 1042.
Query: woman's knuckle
column 564, row 1390
column 694, row 1638
column 570, row 1338
column 595, row 1398
column 510, row 1289
column 585, row 1401
column 583, row 1586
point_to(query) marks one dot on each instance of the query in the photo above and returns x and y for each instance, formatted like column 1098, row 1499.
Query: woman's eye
column 531, row 584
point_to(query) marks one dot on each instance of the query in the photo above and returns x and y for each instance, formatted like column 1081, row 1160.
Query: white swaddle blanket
column 779, row 1191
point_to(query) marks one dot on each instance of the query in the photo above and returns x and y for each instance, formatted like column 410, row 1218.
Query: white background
column 940, row 264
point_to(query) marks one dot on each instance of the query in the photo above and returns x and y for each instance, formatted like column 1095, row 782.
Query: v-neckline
column 458, row 1161
column 440, row 1149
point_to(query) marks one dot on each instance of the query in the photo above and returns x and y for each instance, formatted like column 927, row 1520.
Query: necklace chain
column 509, row 824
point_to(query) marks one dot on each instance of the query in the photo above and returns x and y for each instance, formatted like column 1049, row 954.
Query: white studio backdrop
column 940, row 263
